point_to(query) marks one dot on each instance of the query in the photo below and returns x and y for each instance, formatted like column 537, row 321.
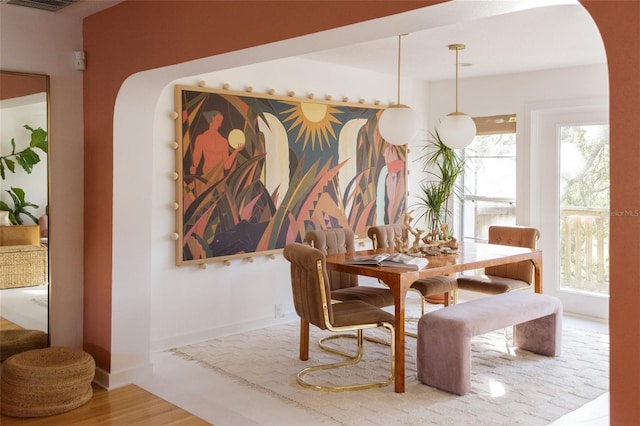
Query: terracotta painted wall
column 14, row 86
column 150, row 37
column 619, row 24
column 154, row 35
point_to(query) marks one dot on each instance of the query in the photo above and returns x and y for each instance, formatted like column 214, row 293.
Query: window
column 584, row 207
column 489, row 182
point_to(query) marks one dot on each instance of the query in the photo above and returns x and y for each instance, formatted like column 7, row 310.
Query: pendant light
column 398, row 124
column 457, row 129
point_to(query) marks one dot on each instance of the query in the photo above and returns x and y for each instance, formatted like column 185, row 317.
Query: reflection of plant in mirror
column 26, row 158
column 20, row 206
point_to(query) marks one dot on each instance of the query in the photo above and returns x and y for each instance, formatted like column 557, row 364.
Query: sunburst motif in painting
column 315, row 121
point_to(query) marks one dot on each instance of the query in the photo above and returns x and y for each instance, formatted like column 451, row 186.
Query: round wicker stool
column 19, row 340
column 44, row 382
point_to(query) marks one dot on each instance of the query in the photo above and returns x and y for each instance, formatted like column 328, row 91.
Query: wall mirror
column 24, row 201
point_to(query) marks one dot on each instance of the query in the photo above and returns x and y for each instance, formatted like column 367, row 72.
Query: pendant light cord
column 457, row 50
column 399, row 53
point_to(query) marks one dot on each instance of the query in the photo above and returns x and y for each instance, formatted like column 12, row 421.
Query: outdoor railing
column 584, row 242
column 584, row 251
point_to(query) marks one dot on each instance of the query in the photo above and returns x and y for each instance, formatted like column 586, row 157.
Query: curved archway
column 140, row 129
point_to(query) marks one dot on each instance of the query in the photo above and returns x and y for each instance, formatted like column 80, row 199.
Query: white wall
column 189, row 303
column 42, row 42
column 155, row 304
column 224, row 299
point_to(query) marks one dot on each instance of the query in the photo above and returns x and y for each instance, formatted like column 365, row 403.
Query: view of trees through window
column 489, row 187
column 584, row 207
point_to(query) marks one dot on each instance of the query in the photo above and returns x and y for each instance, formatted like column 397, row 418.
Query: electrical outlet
column 277, row 311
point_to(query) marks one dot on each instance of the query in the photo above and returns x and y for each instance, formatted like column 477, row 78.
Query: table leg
column 399, row 296
column 537, row 274
column 304, row 340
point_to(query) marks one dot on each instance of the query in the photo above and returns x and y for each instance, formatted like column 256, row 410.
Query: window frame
column 489, row 125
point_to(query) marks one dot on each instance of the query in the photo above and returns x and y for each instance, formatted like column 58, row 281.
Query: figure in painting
column 215, row 157
column 211, row 148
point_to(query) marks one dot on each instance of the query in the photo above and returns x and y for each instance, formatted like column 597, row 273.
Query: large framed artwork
column 257, row 171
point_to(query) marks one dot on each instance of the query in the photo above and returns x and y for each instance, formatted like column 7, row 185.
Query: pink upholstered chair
column 505, row 278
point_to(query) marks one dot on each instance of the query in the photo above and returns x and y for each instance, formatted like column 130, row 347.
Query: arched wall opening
column 142, row 250
column 137, row 130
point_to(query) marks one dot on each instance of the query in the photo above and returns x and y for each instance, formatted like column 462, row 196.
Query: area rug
column 509, row 386
column 26, row 306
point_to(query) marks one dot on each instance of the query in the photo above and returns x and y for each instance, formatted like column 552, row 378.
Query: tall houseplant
column 443, row 166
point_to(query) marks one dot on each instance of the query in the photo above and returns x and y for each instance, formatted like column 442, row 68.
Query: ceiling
column 556, row 36
column 535, row 39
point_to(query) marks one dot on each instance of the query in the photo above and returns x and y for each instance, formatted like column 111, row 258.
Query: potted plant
column 443, row 166
column 20, row 206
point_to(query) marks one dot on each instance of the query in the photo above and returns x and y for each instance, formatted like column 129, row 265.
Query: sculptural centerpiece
column 434, row 243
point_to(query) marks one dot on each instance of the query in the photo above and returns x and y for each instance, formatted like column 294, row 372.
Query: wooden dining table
column 469, row 256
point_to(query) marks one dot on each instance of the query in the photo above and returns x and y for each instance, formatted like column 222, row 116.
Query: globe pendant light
column 457, row 129
column 398, row 124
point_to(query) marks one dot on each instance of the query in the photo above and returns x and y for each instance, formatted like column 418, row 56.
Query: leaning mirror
column 24, row 201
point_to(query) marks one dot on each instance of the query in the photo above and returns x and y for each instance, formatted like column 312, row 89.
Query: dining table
column 470, row 255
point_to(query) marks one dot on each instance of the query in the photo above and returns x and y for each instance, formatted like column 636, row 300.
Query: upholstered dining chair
column 312, row 297
column 344, row 286
column 505, row 278
column 383, row 236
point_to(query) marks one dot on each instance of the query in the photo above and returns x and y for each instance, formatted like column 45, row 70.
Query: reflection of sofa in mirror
column 23, row 260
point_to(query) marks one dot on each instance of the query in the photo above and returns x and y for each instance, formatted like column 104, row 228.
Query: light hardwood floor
column 129, row 405
column 5, row 324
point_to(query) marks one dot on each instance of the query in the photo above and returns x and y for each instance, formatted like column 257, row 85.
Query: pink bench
column 444, row 335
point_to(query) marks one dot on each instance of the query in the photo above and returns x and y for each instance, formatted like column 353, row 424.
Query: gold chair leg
column 447, row 298
column 324, row 347
column 350, row 361
column 508, row 337
column 422, row 305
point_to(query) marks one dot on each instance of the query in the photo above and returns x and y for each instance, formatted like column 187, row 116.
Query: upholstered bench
column 444, row 336
column 44, row 382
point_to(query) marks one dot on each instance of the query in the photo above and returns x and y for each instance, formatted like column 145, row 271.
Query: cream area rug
column 509, row 386
column 26, row 306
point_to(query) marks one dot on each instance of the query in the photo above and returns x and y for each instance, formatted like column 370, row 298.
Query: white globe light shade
column 398, row 124
column 457, row 130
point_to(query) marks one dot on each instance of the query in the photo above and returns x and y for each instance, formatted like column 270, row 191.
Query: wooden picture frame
column 257, row 171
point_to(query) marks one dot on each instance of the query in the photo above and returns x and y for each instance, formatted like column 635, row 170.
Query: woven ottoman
column 45, row 382
column 19, row 340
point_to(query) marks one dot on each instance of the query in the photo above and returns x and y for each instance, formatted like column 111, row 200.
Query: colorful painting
column 256, row 172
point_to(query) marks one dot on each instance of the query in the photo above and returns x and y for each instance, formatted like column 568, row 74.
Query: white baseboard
column 113, row 380
column 213, row 333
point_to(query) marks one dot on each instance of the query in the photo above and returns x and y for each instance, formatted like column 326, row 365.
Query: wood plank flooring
column 129, row 405
column 5, row 324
